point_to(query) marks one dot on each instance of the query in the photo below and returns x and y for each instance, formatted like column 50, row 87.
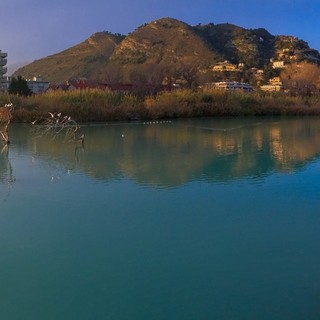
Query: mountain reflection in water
column 175, row 153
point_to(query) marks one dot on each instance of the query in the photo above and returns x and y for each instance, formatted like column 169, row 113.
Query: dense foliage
column 19, row 86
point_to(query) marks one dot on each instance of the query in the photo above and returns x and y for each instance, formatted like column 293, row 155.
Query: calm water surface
column 202, row 219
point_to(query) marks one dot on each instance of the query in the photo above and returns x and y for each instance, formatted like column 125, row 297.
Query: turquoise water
column 202, row 219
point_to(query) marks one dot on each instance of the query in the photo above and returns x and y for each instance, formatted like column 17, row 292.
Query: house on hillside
column 278, row 64
column 275, row 81
column 271, row 87
column 275, row 84
column 225, row 66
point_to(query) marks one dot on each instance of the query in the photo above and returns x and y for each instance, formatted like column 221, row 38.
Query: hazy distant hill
column 169, row 43
column 13, row 67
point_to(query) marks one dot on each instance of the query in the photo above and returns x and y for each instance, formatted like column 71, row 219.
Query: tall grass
column 103, row 105
column 187, row 103
column 82, row 105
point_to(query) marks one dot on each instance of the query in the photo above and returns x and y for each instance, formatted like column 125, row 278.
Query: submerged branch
column 58, row 125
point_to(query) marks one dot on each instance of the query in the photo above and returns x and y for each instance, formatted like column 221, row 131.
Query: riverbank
column 101, row 105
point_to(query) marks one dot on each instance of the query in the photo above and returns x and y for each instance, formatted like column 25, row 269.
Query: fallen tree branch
column 58, row 125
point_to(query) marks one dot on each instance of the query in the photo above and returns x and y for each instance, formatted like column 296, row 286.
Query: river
column 182, row 219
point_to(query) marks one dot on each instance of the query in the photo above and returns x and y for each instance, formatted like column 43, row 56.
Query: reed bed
column 104, row 105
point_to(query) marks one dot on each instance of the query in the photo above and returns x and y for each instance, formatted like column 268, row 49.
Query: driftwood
column 57, row 125
column 5, row 119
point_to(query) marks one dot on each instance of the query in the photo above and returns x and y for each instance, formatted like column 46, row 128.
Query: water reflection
column 6, row 172
column 172, row 154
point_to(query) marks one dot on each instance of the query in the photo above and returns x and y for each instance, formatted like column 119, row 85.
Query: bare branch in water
column 58, row 125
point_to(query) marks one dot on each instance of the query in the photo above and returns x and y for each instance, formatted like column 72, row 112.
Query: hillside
column 165, row 41
column 167, row 44
column 82, row 60
column 288, row 49
column 236, row 44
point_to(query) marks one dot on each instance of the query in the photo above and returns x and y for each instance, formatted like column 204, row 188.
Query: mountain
column 168, row 44
column 81, row 60
column 236, row 44
column 165, row 41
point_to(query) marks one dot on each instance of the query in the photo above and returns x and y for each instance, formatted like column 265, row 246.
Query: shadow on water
column 166, row 154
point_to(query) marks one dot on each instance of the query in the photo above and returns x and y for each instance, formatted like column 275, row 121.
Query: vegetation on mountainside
column 236, row 44
column 165, row 42
column 291, row 49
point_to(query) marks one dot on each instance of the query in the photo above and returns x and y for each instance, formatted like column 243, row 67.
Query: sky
column 34, row 29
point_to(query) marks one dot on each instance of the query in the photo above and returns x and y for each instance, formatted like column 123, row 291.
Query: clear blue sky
column 34, row 29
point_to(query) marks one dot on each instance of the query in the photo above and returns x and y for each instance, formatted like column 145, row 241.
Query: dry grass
column 103, row 105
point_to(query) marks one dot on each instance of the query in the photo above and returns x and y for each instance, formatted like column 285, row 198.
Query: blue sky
column 33, row 29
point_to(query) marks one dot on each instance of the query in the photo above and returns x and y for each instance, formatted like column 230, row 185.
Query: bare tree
column 187, row 71
column 302, row 78
column 111, row 74
column 148, row 76
column 5, row 119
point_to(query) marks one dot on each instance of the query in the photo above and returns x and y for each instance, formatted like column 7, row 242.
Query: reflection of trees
column 173, row 154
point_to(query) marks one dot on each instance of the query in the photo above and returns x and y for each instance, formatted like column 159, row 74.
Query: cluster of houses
column 275, row 84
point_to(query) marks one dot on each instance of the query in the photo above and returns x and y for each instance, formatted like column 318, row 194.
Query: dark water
column 205, row 219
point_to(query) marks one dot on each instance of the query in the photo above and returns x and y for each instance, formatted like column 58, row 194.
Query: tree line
column 299, row 79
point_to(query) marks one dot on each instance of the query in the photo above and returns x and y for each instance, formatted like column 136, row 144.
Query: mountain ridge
column 168, row 44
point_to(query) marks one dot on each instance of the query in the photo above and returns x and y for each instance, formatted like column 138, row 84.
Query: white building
column 224, row 66
column 278, row 65
column 271, row 87
column 3, row 69
column 275, row 81
column 232, row 85
column 275, row 84
column 37, row 85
